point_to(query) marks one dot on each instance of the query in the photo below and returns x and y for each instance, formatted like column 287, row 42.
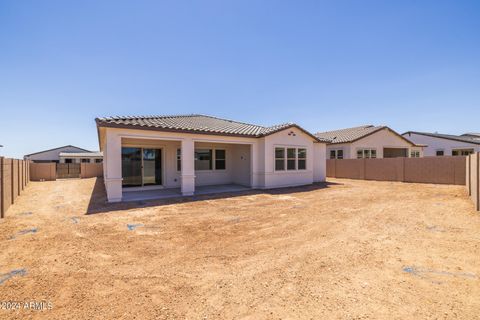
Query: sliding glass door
column 141, row 167
column 152, row 167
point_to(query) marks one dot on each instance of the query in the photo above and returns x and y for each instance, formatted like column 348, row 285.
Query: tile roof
column 197, row 123
column 67, row 146
column 349, row 134
column 462, row 138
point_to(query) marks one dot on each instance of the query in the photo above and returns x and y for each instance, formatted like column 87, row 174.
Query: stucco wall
column 287, row 138
column 379, row 140
column 434, row 144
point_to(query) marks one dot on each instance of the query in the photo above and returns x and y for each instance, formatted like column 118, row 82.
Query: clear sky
column 412, row 65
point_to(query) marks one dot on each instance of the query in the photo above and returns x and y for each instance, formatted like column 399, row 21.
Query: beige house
column 446, row 144
column 163, row 156
column 368, row 142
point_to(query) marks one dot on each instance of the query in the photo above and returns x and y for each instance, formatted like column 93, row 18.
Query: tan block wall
column 389, row 169
column 14, row 176
column 443, row 170
column 43, row 171
column 91, row 170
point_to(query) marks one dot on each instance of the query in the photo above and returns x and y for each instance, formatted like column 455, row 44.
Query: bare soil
column 344, row 250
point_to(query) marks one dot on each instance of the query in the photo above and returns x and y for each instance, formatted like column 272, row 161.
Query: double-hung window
column 220, row 159
column 366, row 153
column 179, row 159
column 279, row 159
column 208, row 159
column 336, row 154
column 203, row 159
column 290, row 159
column 302, row 159
column 415, row 154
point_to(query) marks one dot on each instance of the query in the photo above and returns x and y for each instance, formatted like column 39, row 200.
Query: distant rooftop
column 469, row 138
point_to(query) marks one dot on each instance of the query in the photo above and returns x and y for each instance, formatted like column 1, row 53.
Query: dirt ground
column 345, row 250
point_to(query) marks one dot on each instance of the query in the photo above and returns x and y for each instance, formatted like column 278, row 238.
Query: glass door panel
column 152, row 167
column 132, row 167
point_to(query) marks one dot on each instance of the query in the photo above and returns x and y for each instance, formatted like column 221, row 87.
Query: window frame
column 414, row 154
column 178, row 159
column 363, row 151
column 286, row 158
column 301, row 159
column 213, row 153
column 215, row 159
column 336, row 154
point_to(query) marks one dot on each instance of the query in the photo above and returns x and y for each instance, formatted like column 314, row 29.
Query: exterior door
column 141, row 167
column 152, row 167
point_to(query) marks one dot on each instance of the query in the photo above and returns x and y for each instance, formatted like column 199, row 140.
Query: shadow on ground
column 98, row 200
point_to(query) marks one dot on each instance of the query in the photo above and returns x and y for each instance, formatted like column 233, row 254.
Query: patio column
column 188, row 167
column 113, row 166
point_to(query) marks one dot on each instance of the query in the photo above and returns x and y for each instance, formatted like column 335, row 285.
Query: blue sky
column 412, row 65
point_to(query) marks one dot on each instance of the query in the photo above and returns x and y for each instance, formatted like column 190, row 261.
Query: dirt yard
column 345, row 250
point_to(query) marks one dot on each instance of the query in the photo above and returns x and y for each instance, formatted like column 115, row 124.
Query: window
column 290, row 159
column 302, row 159
column 440, row 153
column 179, row 159
column 85, row 160
column 220, row 162
column 415, row 154
column 203, row 159
column 366, row 153
column 462, row 152
column 291, row 165
column 336, row 154
column 68, row 161
column 279, row 159
column 98, row 160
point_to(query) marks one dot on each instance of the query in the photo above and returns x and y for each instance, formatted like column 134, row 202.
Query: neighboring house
column 368, row 142
column 190, row 151
column 445, row 144
column 69, row 154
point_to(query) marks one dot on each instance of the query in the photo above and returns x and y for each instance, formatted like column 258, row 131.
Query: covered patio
column 177, row 192
column 160, row 169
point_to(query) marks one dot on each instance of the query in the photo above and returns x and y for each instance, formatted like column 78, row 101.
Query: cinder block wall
column 14, row 177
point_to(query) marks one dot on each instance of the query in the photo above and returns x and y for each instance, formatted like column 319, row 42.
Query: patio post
column 188, row 167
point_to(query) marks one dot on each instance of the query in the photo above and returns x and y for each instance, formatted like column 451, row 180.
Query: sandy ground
column 345, row 250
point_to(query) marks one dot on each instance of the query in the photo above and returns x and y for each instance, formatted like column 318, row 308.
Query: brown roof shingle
column 197, row 123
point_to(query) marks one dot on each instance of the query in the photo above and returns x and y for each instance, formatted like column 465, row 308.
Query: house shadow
column 98, row 199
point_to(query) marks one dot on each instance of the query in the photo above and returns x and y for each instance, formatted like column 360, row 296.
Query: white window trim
column 363, row 153
column 213, row 159
column 336, row 154
column 286, row 158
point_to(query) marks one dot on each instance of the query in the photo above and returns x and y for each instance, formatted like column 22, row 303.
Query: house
column 191, row 154
column 446, row 144
column 368, row 142
column 65, row 154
